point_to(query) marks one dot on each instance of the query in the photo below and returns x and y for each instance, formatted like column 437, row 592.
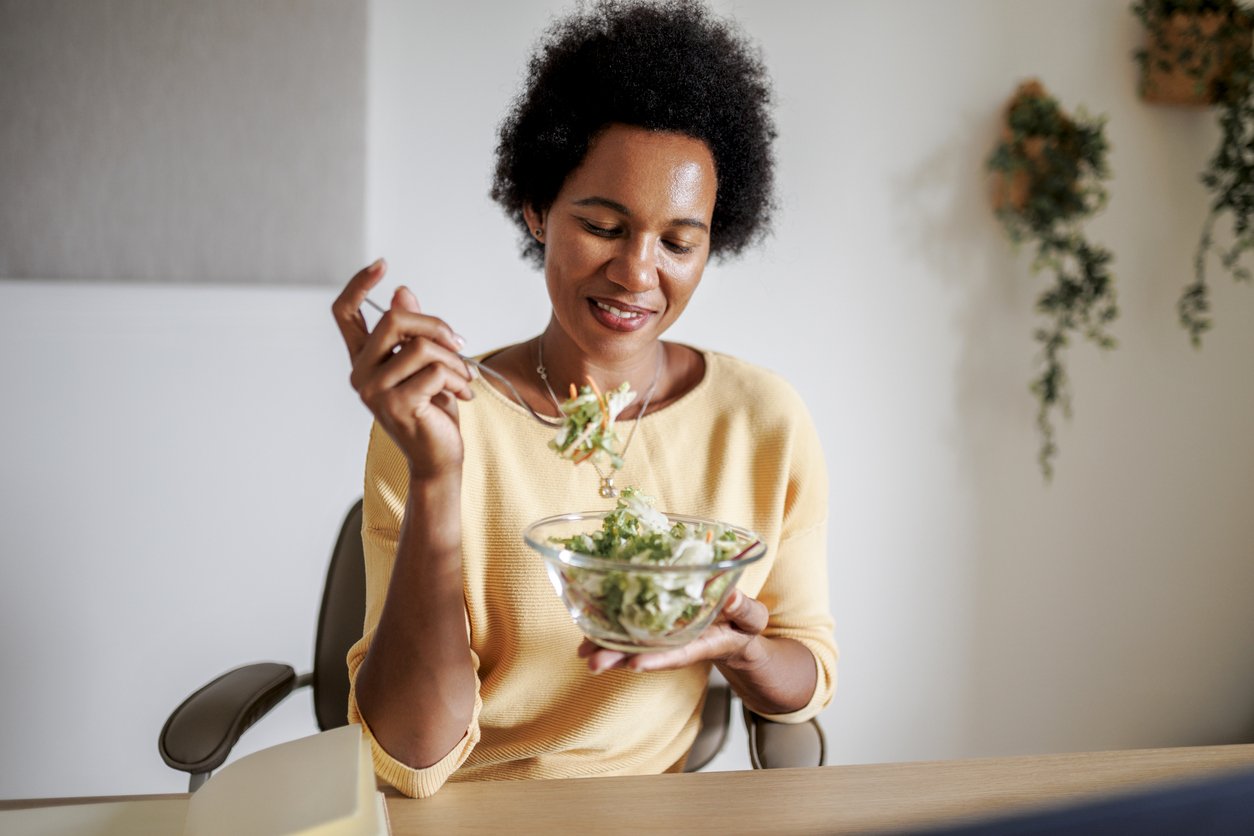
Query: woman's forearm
column 416, row 686
column 772, row 676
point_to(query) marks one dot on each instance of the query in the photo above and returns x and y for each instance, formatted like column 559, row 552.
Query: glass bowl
column 634, row 607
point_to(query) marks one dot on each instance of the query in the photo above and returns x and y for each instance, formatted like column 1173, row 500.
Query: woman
column 640, row 147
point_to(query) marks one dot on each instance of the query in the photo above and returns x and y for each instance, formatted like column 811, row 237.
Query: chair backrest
column 339, row 623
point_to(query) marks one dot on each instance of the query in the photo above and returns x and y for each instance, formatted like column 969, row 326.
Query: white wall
column 202, row 442
column 175, row 463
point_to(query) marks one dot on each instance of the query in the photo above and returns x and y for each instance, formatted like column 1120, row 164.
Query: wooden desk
column 832, row 799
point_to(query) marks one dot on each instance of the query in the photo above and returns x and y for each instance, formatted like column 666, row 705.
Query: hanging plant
column 1199, row 52
column 1048, row 169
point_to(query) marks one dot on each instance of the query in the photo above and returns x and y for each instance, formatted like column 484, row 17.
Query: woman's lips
column 619, row 318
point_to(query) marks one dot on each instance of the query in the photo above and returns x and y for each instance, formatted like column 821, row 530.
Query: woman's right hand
column 408, row 373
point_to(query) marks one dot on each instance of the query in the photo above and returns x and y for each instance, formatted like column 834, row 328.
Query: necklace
column 607, row 488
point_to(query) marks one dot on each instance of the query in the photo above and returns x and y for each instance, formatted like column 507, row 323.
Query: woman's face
column 627, row 238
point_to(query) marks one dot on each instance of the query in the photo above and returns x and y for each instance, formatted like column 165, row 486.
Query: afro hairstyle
column 667, row 65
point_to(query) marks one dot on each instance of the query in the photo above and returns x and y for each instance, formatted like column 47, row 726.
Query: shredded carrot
column 605, row 407
column 709, row 535
column 584, row 457
column 574, row 393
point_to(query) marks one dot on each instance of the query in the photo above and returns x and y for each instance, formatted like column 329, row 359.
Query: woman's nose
column 634, row 266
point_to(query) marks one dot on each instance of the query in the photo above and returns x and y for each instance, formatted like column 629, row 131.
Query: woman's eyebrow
column 604, row 202
column 615, row 206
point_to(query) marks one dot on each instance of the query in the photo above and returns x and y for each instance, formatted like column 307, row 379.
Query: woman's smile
column 619, row 316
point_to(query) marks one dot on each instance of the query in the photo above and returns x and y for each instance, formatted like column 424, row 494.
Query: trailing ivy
column 1050, row 169
column 1209, row 41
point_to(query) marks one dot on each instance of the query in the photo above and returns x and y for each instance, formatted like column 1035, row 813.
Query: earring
column 539, row 232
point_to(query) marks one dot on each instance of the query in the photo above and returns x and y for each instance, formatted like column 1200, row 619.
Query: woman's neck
column 682, row 369
column 565, row 366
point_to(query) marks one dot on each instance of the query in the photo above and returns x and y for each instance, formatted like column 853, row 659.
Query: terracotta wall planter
column 1195, row 79
column 1012, row 190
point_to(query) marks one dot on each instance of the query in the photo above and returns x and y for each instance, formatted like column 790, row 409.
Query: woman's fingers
column 669, row 660
column 414, row 396
column 746, row 614
column 347, row 306
column 599, row 658
column 408, row 369
column 412, row 358
column 402, row 344
column 403, row 322
column 396, row 328
column 408, row 372
column 405, row 298
column 742, row 619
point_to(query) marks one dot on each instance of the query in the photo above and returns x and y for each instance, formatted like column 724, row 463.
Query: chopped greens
column 647, row 605
column 587, row 431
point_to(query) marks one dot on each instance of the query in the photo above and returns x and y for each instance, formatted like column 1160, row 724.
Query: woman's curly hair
column 665, row 66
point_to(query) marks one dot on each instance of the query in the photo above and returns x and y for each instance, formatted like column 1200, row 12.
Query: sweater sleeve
column 796, row 591
column 796, row 595
column 383, row 511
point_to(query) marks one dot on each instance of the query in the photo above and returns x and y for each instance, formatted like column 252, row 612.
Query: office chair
column 199, row 734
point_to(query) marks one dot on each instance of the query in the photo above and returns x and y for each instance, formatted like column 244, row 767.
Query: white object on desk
column 321, row 784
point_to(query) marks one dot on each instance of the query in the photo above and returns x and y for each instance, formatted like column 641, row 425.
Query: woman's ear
column 535, row 221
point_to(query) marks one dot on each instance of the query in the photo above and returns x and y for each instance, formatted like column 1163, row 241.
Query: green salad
column 649, row 604
column 587, row 431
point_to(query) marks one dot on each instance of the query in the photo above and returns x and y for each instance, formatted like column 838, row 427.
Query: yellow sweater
column 740, row 447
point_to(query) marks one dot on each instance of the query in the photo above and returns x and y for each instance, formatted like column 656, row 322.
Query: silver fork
column 543, row 419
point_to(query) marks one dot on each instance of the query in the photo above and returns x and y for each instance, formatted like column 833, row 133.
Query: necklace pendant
column 607, row 487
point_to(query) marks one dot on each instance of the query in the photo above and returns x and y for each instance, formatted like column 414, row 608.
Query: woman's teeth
column 616, row 311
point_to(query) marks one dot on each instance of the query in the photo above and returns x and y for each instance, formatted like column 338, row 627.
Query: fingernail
column 375, row 265
column 460, row 340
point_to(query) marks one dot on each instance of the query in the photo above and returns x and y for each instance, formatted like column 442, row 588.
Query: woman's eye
column 678, row 248
column 603, row 231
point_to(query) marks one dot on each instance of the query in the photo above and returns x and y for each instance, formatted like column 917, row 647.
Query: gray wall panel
column 182, row 141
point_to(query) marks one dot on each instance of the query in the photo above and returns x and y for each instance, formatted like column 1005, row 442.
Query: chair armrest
column 780, row 745
column 201, row 732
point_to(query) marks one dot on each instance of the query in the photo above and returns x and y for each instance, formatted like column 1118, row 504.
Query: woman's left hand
column 731, row 640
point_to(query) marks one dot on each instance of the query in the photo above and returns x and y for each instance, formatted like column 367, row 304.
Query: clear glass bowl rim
column 752, row 553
